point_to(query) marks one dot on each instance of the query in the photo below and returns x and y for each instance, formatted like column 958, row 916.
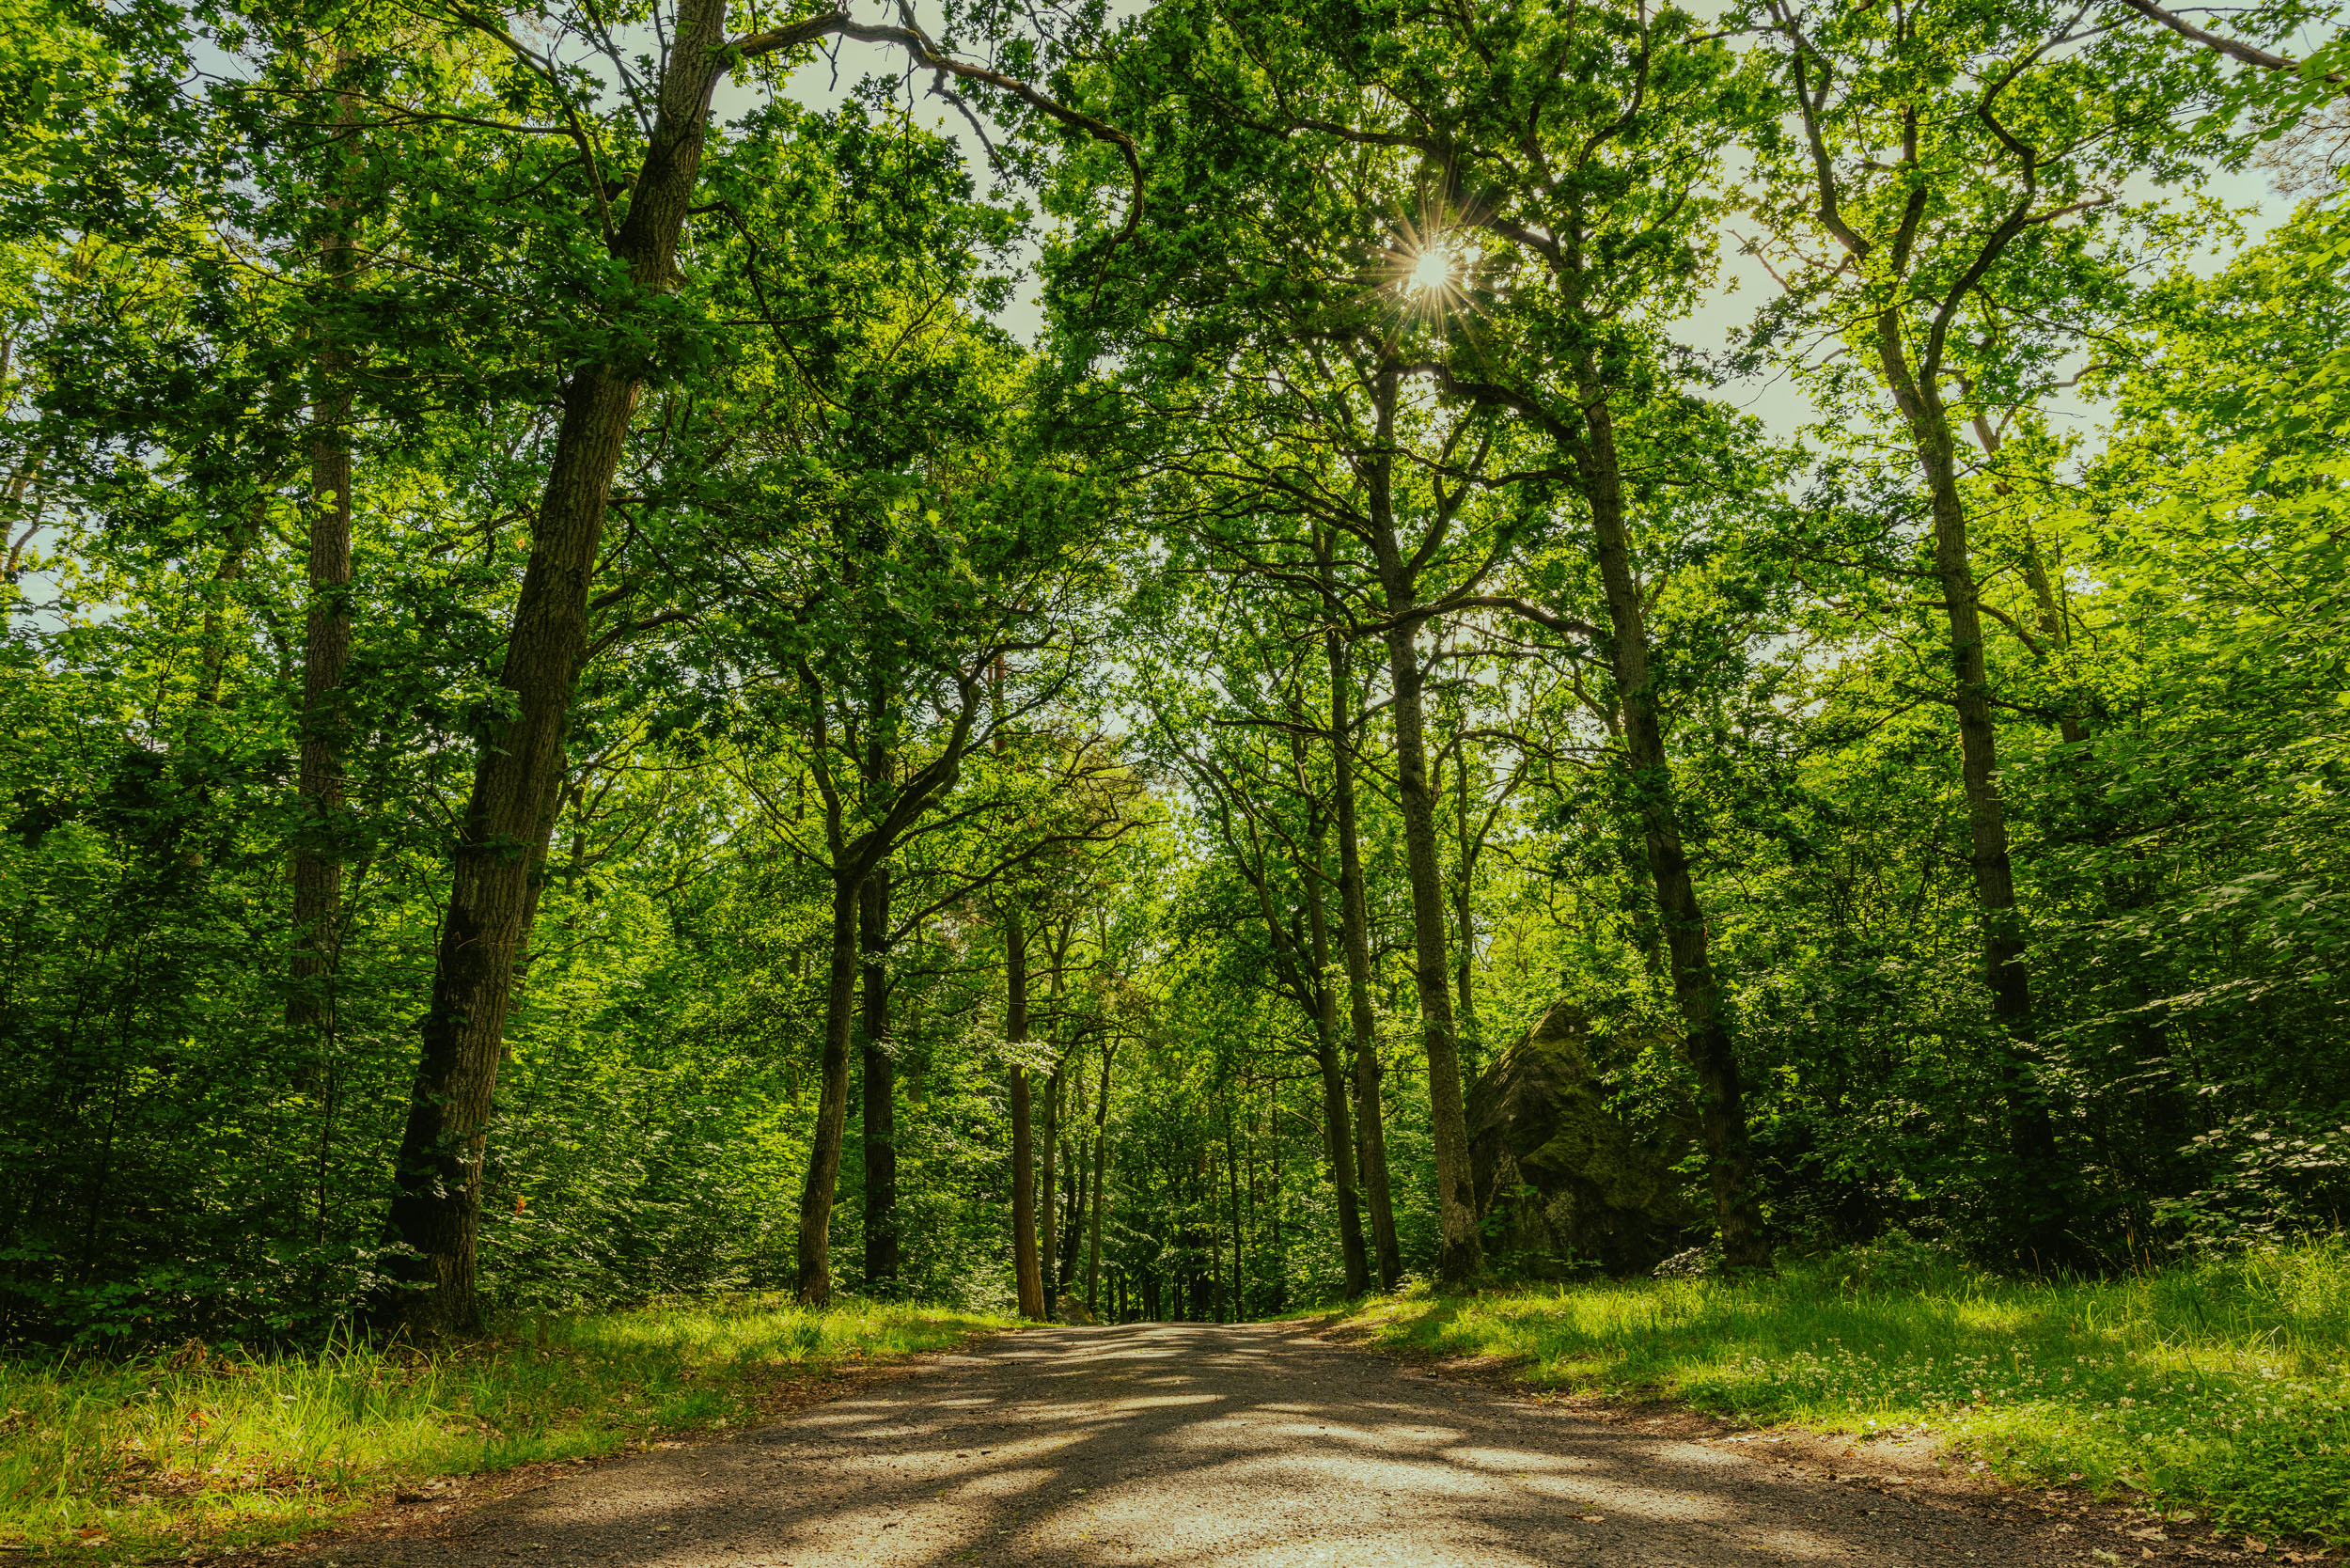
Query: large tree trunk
column 879, row 1107
column 1355, row 942
column 1460, row 1255
column 501, row 840
column 1706, row 1032
column 317, row 872
column 1028, row 1275
column 1100, row 1175
column 854, row 863
column 1071, row 1090
column 1339, row 1146
column 2031, row 1133
column 501, row 847
column 832, row 1102
column 1465, row 913
column 1231, row 1182
column 1047, row 1207
column 1073, row 1233
column 1336, row 1134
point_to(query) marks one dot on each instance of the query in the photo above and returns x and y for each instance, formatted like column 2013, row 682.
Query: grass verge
column 200, row 1451
column 2221, row 1386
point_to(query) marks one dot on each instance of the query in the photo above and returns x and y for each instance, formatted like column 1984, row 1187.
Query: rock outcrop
column 1564, row 1181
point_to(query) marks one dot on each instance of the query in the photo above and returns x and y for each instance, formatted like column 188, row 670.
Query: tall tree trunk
column 2031, row 1133
column 1231, row 1182
column 1465, row 915
column 1337, row 1136
column 1073, row 1209
column 1047, row 1208
column 1027, row 1276
column 317, row 872
column 1272, row 1205
column 1706, row 1032
column 501, row 839
column 832, row 1102
column 854, row 862
column 1460, row 1255
column 1073, row 1232
column 1355, row 942
column 1101, row 1176
column 436, row 1213
column 880, row 1078
column 1212, row 1237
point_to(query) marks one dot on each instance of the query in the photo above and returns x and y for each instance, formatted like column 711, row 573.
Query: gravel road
column 1190, row 1444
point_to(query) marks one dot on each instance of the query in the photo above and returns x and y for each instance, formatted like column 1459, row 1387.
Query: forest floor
column 189, row 1452
column 2210, row 1394
column 1258, row 1445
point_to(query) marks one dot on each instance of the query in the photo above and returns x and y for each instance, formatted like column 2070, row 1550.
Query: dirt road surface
column 1248, row 1446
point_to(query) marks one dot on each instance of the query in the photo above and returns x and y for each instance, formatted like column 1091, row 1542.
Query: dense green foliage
column 580, row 722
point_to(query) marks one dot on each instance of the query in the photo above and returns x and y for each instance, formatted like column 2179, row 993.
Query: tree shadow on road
column 1190, row 1444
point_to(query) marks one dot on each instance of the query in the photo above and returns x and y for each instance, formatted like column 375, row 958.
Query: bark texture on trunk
column 318, row 871
column 1072, row 1231
column 1100, row 1175
column 1460, row 1255
column 878, row 1120
column 855, row 861
column 501, row 847
column 1231, row 1182
column 1028, row 1271
column 1465, row 913
column 1355, row 942
column 1707, row 1037
column 832, row 1102
column 1047, row 1199
column 1338, row 1134
column 501, row 840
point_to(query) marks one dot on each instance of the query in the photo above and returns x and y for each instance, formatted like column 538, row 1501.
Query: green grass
column 197, row 1450
column 2222, row 1387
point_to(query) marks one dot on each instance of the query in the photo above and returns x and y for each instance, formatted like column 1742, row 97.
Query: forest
column 1170, row 661
column 585, row 721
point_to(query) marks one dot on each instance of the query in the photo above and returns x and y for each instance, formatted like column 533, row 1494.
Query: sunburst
column 1430, row 268
column 1435, row 268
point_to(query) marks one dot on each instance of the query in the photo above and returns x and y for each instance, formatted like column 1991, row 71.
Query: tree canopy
column 1181, row 658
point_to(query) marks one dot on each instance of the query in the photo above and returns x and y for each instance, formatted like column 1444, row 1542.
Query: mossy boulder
column 1564, row 1181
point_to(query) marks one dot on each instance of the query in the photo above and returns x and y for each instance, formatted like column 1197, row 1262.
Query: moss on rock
column 1564, row 1181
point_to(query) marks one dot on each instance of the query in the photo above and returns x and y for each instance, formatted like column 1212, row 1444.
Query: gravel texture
column 1191, row 1444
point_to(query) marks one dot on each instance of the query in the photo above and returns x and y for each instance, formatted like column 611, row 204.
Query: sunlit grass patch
column 170, row 1450
column 2222, row 1386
